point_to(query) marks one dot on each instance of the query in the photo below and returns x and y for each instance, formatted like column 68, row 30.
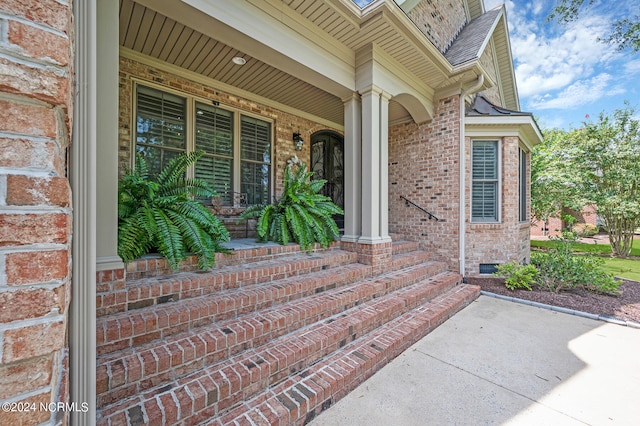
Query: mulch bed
column 625, row 306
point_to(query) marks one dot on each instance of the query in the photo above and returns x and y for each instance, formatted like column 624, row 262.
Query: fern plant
column 302, row 214
column 162, row 214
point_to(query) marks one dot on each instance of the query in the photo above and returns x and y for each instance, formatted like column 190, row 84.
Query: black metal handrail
column 408, row 201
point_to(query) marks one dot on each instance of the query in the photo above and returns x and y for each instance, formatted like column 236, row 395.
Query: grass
column 586, row 248
column 624, row 268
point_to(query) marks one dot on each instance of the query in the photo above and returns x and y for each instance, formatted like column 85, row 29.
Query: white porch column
column 384, row 165
column 107, row 137
column 375, row 122
column 352, row 168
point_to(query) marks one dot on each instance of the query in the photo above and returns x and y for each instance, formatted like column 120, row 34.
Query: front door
column 327, row 162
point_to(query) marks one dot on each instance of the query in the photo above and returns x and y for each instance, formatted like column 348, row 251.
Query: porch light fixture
column 297, row 141
column 238, row 60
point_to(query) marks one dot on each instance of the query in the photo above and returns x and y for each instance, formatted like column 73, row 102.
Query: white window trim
column 522, row 150
column 191, row 100
column 499, row 200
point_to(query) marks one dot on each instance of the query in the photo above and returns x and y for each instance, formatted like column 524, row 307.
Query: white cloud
column 581, row 92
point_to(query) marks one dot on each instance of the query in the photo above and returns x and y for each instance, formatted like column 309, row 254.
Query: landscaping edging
column 605, row 318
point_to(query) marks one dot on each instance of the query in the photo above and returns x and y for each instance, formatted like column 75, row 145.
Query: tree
column 597, row 164
column 608, row 168
column 625, row 32
column 553, row 180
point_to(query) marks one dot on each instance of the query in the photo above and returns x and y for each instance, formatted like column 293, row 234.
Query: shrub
column 302, row 214
column 561, row 270
column 164, row 216
column 517, row 275
column 585, row 229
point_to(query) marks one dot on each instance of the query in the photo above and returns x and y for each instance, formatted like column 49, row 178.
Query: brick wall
column 554, row 225
column 284, row 123
column 423, row 166
column 35, row 205
column 440, row 20
column 509, row 239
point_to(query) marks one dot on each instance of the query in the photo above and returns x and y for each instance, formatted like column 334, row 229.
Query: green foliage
column 517, row 275
column 553, row 179
column 585, row 229
column 597, row 164
column 302, row 214
column 610, row 170
column 561, row 270
column 625, row 31
column 162, row 214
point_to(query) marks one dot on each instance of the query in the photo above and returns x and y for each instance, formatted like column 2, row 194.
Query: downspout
column 463, row 187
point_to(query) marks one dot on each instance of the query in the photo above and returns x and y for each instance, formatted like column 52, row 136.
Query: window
column 522, row 186
column 237, row 147
column 484, row 176
column 160, row 127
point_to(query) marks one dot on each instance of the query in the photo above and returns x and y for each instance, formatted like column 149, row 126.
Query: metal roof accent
column 482, row 107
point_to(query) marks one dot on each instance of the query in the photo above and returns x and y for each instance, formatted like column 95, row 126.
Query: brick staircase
column 270, row 336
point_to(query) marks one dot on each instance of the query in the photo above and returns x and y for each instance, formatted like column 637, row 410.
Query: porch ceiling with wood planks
column 197, row 42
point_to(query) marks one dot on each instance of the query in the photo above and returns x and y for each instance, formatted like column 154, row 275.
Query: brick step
column 242, row 251
column 125, row 373
column 300, row 398
column 128, row 329
column 404, row 260
column 161, row 289
column 404, row 246
column 213, row 390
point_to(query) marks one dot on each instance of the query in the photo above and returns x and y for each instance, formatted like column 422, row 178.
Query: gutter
column 463, row 190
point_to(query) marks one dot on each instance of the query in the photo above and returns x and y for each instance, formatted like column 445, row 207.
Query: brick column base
column 378, row 255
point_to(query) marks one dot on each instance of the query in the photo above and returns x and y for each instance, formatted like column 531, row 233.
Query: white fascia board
column 283, row 42
column 522, row 126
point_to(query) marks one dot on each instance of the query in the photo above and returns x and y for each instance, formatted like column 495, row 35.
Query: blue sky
column 564, row 73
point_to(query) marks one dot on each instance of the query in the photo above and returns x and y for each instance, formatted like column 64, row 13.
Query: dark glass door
column 327, row 162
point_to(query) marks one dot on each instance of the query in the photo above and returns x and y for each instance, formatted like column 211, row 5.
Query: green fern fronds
column 164, row 215
column 301, row 214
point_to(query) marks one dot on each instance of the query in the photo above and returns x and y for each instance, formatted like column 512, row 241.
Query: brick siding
column 35, row 206
column 423, row 166
column 440, row 20
column 284, row 123
column 554, row 225
column 509, row 239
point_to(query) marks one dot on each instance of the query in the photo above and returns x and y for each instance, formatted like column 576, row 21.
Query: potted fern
column 302, row 214
column 163, row 216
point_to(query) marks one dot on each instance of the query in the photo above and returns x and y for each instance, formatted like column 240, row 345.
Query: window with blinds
column 484, row 176
column 522, row 186
column 160, row 127
column 255, row 159
column 229, row 165
column 214, row 135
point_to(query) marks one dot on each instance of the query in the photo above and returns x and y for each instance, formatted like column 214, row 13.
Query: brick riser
column 128, row 329
column 227, row 383
column 302, row 397
column 224, row 347
column 157, row 290
column 124, row 374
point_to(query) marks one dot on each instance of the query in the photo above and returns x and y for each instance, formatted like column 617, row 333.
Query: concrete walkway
column 499, row 362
